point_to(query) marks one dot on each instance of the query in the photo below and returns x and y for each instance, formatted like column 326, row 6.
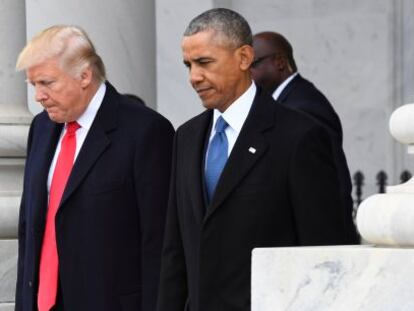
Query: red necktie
column 49, row 262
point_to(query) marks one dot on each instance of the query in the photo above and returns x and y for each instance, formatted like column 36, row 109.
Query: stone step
column 8, row 265
column 6, row 306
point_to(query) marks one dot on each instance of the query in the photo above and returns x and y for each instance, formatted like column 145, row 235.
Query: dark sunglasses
column 258, row 60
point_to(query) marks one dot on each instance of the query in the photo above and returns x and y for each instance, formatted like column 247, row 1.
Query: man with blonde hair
column 95, row 186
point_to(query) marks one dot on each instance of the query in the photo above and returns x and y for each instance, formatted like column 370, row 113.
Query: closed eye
column 46, row 82
column 204, row 61
column 43, row 83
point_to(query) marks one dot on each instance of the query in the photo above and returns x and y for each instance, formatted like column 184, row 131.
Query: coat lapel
column 45, row 147
column 250, row 146
column 95, row 143
column 196, row 164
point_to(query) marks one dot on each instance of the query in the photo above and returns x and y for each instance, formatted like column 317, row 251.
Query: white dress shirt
column 85, row 121
column 235, row 115
column 282, row 86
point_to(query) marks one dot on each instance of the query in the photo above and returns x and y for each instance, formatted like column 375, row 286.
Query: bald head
column 274, row 60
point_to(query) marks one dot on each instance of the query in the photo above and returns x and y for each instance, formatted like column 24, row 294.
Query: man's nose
column 196, row 75
column 40, row 94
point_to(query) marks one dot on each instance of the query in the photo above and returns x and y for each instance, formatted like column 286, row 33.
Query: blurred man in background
column 274, row 69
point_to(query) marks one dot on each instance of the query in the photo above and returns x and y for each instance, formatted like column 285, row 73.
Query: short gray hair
column 224, row 22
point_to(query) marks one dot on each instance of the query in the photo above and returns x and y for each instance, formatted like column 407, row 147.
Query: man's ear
column 86, row 77
column 280, row 63
column 246, row 54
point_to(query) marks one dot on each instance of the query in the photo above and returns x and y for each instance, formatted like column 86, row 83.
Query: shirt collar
column 237, row 112
column 86, row 119
column 282, row 86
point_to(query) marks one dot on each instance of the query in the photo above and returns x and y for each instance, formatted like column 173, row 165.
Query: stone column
column 404, row 71
column 14, row 124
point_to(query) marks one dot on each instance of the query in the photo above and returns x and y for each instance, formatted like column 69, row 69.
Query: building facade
column 359, row 53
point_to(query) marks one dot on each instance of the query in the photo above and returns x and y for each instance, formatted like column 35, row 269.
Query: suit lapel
column 250, row 146
column 196, row 153
column 96, row 141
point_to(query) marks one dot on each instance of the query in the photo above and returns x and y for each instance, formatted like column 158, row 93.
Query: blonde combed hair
column 69, row 44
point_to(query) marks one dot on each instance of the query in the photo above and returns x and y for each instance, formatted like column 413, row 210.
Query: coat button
column 30, row 284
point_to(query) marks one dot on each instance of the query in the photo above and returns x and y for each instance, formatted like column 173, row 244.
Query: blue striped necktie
column 216, row 157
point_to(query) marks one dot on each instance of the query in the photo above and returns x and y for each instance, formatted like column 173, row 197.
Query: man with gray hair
column 95, row 185
column 241, row 176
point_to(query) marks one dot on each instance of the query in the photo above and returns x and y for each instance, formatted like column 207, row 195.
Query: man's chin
column 220, row 107
column 56, row 118
column 208, row 105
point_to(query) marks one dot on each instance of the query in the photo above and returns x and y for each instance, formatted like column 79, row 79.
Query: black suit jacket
column 285, row 193
column 110, row 222
column 302, row 95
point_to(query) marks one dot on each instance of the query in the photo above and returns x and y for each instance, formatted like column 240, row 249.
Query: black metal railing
column 381, row 178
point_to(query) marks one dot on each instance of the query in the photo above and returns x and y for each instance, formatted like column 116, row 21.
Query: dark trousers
column 59, row 306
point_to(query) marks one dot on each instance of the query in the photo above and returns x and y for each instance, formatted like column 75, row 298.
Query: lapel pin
column 252, row 150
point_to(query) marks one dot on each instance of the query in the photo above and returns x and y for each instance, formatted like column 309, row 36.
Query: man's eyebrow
column 28, row 81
